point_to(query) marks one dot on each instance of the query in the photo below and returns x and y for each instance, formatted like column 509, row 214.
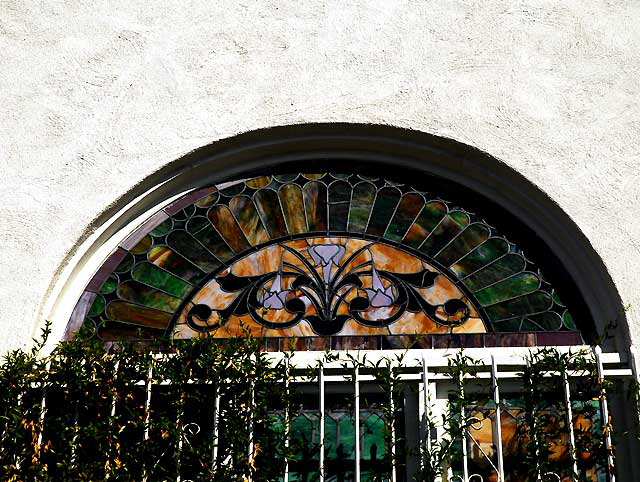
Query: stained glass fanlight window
column 318, row 255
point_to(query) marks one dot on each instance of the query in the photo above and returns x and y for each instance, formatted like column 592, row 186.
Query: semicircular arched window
column 319, row 255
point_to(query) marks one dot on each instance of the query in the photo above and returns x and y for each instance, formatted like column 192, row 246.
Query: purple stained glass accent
column 327, row 255
column 106, row 269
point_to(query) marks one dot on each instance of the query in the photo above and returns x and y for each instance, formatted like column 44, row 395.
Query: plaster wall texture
column 98, row 95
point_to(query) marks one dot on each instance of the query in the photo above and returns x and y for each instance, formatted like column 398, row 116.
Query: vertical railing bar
column 498, row 416
column 605, row 415
column 321, row 389
column 250, row 448
column 287, row 421
column 19, row 403
column 356, row 443
column 181, row 435
column 392, row 406
column 533, row 428
column 112, row 415
column 43, row 408
column 572, row 437
column 465, row 462
column 147, row 411
column 216, row 418
column 423, row 415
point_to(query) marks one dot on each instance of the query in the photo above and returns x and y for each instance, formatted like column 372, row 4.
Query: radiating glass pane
column 141, row 315
column 291, row 201
column 226, row 225
column 502, row 268
column 364, row 194
column 270, row 212
column 512, row 287
column 474, row 235
column 532, row 303
column 171, row 261
column 248, row 218
column 383, row 209
column 202, row 229
column 151, row 275
column 408, row 209
column 148, row 296
column 315, row 205
column 484, row 254
column 449, row 227
column 191, row 249
column 428, row 219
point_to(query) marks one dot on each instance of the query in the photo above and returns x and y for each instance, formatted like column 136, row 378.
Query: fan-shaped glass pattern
column 317, row 254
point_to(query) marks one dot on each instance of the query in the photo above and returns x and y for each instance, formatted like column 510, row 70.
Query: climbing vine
column 205, row 409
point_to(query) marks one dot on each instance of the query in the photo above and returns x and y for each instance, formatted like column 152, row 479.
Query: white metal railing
column 427, row 371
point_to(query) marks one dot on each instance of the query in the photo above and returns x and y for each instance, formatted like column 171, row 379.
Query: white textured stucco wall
column 98, row 95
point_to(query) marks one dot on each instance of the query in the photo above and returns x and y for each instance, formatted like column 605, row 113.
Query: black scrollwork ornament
column 317, row 289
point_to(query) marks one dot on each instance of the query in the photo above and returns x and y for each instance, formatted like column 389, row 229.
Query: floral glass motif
column 275, row 254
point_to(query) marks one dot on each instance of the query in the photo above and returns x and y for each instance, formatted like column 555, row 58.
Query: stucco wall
column 96, row 97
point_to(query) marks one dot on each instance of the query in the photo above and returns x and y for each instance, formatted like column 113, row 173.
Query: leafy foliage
column 87, row 412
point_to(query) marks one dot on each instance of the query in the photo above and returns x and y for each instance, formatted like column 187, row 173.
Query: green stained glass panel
column 408, row 209
column 97, row 307
column 339, row 192
column 568, row 320
column 151, row 275
column 514, row 324
column 502, row 268
column 148, row 296
column 548, row 321
column 448, row 228
column 315, row 205
column 140, row 315
column 556, row 298
column 292, row 206
column 385, row 205
column 191, row 249
column 363, row 195
column 373, row 433
column 110, row 285
column 338, row 214
column 171, row 261
column 226, row 225
column 429, row 217
column 163, row 228
column 201, row 229
column 270, row 212
column 512, row 287
column 248, row 218
column 484, row 254
column 125, row 265
column 474, row 235
column 532, row 303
